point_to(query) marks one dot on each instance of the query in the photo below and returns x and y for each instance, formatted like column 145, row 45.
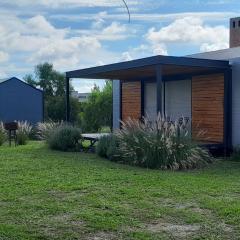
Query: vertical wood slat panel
column 131, row 100
column 208, row 107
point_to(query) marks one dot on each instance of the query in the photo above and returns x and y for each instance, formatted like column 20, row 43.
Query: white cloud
column 33, row 40
column 144, row 50
column 148, row 17
column 67, row 54
column 27, row 35
column 85, row 85
column 3, row 57
column 113, row 32
column 207, row 47
column 40, row 26
column 114, row 28
column 38, row 40
column 159, row 49
column 126, row 56
column 69, row 3
column 2, row 74
column 98, row 24
column 190, row 30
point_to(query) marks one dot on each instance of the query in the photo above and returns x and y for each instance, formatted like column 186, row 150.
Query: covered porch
column 198, row 89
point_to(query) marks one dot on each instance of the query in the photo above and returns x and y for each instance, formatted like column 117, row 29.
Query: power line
column 129, row 15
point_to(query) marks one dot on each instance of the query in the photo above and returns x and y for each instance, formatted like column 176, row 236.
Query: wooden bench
column 93, row 138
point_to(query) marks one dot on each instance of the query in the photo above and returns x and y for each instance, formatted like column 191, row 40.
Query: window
column 234, row 24
column 239, row 23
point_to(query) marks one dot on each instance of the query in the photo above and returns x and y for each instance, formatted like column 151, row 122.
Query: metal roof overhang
column 146, row 68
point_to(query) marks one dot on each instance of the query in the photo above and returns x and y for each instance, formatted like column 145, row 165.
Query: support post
column 142, row 98
column 67, row 99
column 227, row 111
column 159, row 88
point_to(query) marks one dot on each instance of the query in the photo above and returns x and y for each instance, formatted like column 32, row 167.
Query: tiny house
column 194, row 88
column 203, row 88
column 20, row 101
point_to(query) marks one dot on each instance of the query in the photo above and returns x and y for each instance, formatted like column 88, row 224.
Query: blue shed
column 20, row 101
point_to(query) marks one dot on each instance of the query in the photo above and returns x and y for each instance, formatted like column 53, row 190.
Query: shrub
column 64, row 138
column 235, row 157
column 45, row 129
column 159, row 144
column 107, row 147
column 33, row 135
column 3, row 134
column 102, row 145
column 23, row 132
column 112, row 151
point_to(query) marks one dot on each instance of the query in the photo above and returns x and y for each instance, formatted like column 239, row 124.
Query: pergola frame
column 158, row 65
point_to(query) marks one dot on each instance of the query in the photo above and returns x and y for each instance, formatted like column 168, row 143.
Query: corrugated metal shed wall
column 19, row 101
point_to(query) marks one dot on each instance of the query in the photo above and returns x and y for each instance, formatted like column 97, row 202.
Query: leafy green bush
column 97, row 111
column 160, row 144
column 44, row 129
column 102, row 146
column 64, row 138
column 107, row 147
column 3, row 134
column 235, row 157
column 23, row 132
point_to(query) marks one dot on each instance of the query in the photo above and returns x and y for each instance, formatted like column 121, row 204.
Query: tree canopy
column 91, row 115
column 48, row 79
column 97, row 111
column 53, row 84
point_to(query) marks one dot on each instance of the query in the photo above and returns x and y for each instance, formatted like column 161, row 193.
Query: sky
column 75, row 34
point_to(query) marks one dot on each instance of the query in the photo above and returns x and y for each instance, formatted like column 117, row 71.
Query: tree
column 55, row 108
column 97, row 111
column 53, row 84
column 48, row 79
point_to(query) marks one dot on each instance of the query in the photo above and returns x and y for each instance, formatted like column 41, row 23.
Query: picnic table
column 93, row 138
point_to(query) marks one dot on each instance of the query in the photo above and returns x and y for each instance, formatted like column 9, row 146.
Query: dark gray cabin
column 20, row 101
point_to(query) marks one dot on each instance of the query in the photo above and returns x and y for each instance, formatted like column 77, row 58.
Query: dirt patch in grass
column 77, row 223
column 226, row 228
column 207, row 222
column 63, row 227
column 67, row 219
column 189, row 206
column 61, row 218
column 65, row 195
column 4, row 203
column 57, row 194
column 101, row 236
column 176, row 230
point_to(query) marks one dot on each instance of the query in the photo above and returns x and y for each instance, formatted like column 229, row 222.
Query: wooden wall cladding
column 131, row 100
column 208, row 107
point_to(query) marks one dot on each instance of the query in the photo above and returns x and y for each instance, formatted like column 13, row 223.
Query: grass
column 52, row 195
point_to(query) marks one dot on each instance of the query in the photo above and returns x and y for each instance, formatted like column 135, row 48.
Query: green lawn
column 53, row 195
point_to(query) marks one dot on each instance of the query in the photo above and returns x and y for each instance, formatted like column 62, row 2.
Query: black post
column 67, row 100
column 227, row 111
column 142, row 98
column 159, row 88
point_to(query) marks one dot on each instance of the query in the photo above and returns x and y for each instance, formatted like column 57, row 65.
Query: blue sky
column 75, row 34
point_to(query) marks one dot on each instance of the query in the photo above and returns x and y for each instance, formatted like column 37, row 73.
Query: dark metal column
column 120, row 102
column 67, row 99
column 159, row 88
column 227, row 110
column 142, row 98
